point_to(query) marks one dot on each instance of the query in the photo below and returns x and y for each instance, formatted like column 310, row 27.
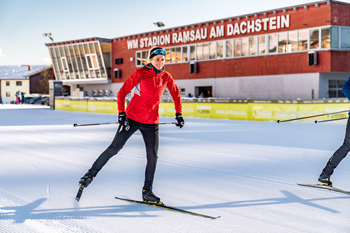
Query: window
column 138, row 59
column 172, row 55
column 18, row 83
column 244, row 47
column 292, row 41
column 199, row 52
column 220, row 49
column 8, row 94
column 335, row 88
column 184, row 53
column 261, row 44
column 334, row 37
column 92, row 61
column 302, row 40
column 282, row 42
column 229, row 48
column 7, row 83
column 314, row 39
column 272, row 43
column 237, row 50
column 205, row 51
column 252, row 45
column 212, row 50
column 178, row 54
column 144, row 57
column 167, row 56
column 345, row 37
column 64, row 64
column 325, row 38
column 193, row 52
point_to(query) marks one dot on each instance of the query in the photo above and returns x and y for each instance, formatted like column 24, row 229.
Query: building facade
column 10, row 86
column 296, row 52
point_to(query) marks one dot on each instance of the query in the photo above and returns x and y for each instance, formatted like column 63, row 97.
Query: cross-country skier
column 141, row 114
column 325, row 177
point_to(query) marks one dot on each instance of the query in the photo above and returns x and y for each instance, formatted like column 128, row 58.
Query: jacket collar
column 150, row 67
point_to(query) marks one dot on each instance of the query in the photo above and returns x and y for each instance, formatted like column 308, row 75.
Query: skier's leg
column 339, row 154
column 117, row 144
column 150, row 135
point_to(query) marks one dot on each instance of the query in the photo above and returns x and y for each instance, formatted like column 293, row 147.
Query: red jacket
column 144, row 105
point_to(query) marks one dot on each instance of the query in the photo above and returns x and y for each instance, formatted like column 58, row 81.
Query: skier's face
column 158, row 61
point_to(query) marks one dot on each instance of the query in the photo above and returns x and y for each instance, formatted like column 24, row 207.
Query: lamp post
column 49, row 35
column 159, row 24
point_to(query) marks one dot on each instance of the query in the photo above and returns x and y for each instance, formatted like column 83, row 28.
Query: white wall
column 13, row 89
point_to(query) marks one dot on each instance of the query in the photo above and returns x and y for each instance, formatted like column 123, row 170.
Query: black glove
column 123, row 121
column 180, row 120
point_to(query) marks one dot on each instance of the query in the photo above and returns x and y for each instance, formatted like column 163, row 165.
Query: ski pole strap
column 300, row 118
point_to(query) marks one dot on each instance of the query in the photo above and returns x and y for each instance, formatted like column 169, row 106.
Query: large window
column 18, row 83
column 303, row 40
column 292, row 41
column 261, row 45
column 345, row 37
column 7, row 83
column 220, row 49
column 325, row 38
column 314, row 39
column 245, row 41
column 334, row 37
column 282, row 42
column 229, row 48
column 237, row 47
column 212, row 50
column 335, row 88
column 272, row 43
column 252, row 46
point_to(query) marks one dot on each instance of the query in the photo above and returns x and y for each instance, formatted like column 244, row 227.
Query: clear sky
column 23, row 22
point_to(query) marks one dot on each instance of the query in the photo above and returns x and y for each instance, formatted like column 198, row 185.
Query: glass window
column 178, row 54
column 292, row 41
column 314, row 39
column 206, row 51
column 282, row 42
column 244, row 47
column 237, row 43
column 335, row 88
column 7, row 83
column 138, row 58
column 184, row 53
column 18, row 83
column 261, row 44
column 252, row 45
column 272, row 43
column 172, row 55
column 302, row 40
column 325, row 38
column 345, row 37
column 167, row 56
column 144, row 57
column 229, row 48
column 199, row 52
column 64, row 64
column 212, row 50
column 220, row 49
column 193, row 52
column 92, row 61
column 335, row 37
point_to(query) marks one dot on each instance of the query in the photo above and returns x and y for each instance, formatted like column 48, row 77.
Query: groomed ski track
column 244, row 171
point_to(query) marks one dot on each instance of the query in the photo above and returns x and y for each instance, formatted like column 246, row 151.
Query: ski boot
column 325, row 180
column 149, row 196
column 85, row 180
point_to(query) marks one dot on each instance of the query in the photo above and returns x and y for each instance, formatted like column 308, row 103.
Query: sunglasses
column 159, row 52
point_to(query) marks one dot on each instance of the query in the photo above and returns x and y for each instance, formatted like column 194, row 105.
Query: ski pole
column 110, row 123
column 331, row 120
column 300, row 118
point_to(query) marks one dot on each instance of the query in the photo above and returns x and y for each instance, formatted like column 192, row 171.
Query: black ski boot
column 324, row 179
column 85, row 180
column 148, row 196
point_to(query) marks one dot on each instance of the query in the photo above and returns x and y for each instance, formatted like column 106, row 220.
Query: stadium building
column 300, row 51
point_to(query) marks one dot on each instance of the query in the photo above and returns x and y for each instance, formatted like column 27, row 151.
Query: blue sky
column 23, row 22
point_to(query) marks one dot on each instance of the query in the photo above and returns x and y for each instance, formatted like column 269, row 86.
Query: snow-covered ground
column 244, row 171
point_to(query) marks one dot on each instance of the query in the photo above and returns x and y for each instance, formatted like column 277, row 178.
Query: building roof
column 13, row 78
column 76, row 41
column 37, row 71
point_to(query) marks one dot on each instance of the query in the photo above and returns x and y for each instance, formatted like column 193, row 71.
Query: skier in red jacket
column 141, row 114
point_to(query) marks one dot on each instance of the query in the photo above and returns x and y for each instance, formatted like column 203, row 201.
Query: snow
column 244, row 171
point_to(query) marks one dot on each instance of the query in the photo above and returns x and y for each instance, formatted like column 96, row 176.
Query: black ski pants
column 340, row 153
column 150, row 134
